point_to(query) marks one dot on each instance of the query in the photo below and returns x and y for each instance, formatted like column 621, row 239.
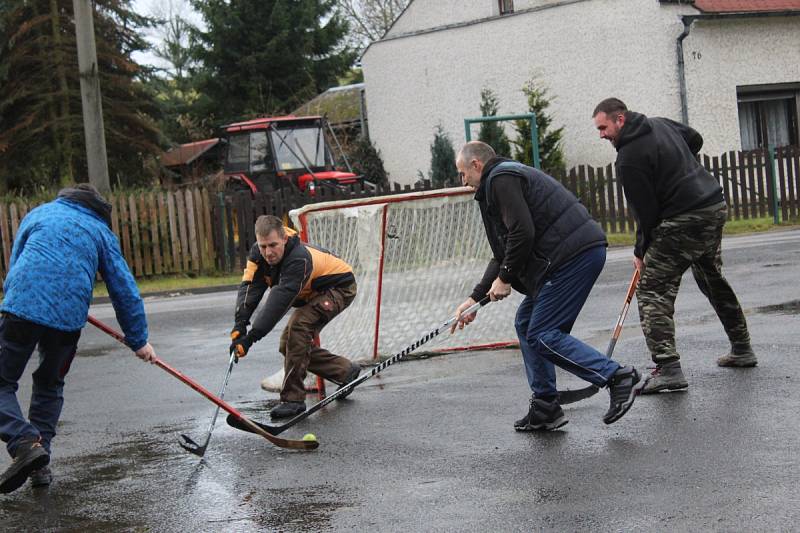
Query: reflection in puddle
column 786, row 308
column 93, row 352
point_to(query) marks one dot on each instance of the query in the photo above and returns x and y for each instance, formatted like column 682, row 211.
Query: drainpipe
column 687, row 26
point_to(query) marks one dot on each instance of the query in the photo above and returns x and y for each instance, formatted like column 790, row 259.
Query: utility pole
column 93, row 128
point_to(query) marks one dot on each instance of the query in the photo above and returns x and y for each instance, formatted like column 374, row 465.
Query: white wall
column 422, row 14
column 721, row 55
column 583, row 52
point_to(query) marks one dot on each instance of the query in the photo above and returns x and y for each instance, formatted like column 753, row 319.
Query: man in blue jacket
column 546, row 246
column 680, row 212
column 58, row 249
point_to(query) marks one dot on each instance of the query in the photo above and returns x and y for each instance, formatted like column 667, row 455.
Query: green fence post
column 773, row 183
column 535, row 141
column 527, row 116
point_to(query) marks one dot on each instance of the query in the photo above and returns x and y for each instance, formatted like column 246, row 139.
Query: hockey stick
column 246, row 422
column 200, row 449
column 572, row 396
column 277, row 430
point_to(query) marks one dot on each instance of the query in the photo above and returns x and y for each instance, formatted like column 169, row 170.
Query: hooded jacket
column 303, row 272
column 533, row 223
column 660, row 174
column 58, row 249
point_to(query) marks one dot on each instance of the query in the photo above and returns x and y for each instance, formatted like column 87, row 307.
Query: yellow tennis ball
column 310, row 437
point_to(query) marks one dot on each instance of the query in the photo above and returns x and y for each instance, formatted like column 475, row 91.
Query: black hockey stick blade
column 188, row 443
column 572, row 396
column 192, row 447
column 345, row 389
column 235, row 423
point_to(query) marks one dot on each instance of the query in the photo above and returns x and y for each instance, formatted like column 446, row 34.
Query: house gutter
column 688, row 20
column 466, row 23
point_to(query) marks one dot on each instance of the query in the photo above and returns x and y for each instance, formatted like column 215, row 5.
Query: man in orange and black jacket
column 317, row 284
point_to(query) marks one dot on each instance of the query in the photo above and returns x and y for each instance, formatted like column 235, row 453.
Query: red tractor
column 268, row 154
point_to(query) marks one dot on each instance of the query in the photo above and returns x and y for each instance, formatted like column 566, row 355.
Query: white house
column 731, row 68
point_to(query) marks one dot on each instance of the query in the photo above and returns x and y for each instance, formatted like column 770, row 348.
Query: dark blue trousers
column 18, row 339
column 543, row 326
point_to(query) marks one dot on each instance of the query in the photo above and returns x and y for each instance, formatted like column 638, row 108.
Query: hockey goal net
column 416, row 257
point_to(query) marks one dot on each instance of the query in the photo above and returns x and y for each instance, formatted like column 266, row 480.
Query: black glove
column 241, row 345
column 238, row 331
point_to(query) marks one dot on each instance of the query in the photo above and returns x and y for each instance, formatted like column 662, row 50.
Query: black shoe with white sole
column 542, row 416
column 623, row 387
column 287, row 410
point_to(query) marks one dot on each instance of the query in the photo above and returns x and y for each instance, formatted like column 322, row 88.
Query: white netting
column 435, row 252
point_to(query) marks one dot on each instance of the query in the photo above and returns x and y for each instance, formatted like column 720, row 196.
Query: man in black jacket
column 545, row 245
column 680, row 212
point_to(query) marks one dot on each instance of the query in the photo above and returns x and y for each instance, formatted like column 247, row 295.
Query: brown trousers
column 297, row 343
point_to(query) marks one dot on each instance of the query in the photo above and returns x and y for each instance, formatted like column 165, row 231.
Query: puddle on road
column 309, row 509
column 93, row 352
column 146, row 482
column 791, row 307
column 93, row 492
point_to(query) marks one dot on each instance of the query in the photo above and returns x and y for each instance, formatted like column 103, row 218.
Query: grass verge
column 176, row 283
column 732, row 227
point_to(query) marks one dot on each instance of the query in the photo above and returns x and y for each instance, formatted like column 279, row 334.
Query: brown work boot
column 29, row 456
column 666, row 376
column 355, row 370
column 739, row 356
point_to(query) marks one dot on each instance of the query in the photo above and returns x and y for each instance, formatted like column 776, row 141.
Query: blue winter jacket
column 59, row 248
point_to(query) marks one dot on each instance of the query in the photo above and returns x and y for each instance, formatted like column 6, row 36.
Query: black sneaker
column 287, row 410
column 30, row 456
column 42, row 477
column 542, row 416
column 355, row 370
column 623, row 387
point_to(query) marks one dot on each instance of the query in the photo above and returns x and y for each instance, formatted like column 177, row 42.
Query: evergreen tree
column 492, row 133
column 366, row 161
column 261, row 57
column 174, row 86
column 551, row 152
column 443, row 159
column 41, row 123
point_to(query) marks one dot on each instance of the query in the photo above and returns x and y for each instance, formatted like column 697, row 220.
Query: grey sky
column 161, row 9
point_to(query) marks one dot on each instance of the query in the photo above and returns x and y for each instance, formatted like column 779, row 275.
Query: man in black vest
column 680, row 212
column 546, row 246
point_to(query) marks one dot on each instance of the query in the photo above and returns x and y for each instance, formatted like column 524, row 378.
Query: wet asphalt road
column 428, row 445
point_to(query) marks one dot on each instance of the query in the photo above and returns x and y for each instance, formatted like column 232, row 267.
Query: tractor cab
column 268, row 154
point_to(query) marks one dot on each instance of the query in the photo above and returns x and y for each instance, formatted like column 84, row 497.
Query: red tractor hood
column 343, row 178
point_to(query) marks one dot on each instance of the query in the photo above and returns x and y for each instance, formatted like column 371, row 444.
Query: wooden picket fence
column 754, row 184
column 159, row 232
column 194, row 230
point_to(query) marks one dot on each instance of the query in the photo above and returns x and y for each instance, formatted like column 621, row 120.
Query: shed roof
column 340, row 105
column 186, row 153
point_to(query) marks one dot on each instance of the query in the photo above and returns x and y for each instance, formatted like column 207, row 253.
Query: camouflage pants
column 688, row 240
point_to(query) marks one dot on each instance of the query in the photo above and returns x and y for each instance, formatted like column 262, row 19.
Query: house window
column 506, row 6
column 768, row 118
